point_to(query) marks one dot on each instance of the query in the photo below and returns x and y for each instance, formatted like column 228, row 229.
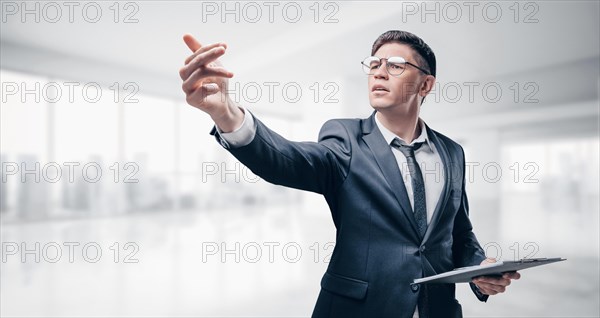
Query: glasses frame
column 387, row 67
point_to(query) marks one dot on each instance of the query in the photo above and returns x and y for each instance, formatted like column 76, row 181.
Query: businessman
column 395, row 187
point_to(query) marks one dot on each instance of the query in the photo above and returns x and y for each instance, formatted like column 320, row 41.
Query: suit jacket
column 378, row 250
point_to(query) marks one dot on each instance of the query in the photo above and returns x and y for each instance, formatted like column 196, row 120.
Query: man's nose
column 381, row 72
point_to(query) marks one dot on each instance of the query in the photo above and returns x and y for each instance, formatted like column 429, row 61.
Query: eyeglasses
column 395, row 65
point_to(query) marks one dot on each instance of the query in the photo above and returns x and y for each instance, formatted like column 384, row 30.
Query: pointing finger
column 191, row 42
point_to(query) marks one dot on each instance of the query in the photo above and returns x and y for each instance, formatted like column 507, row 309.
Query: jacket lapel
column 441, row 203
column 389, row 167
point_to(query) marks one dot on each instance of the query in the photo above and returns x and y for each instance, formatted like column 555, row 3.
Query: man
column 393, row 222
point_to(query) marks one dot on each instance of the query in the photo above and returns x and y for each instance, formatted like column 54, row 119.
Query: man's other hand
column 494, row 285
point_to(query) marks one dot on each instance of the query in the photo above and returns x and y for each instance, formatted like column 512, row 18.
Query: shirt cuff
column 242, row 135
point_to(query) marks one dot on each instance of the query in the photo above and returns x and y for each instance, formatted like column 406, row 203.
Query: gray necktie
column 419, row 207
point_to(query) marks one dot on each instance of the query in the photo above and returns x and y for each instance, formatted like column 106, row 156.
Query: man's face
column 404, row 91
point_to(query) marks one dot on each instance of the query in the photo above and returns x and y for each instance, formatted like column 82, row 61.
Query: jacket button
column 422, row 249
column 415, row 288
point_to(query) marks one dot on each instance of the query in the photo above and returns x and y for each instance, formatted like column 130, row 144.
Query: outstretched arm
column 314, row 166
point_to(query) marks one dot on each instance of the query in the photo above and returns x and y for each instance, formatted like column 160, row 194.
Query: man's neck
column 404, row 125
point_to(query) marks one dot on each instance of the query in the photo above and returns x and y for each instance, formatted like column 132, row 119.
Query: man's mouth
column 379, row 88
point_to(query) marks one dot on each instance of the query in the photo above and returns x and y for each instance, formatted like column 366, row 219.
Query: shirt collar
column 423, row 137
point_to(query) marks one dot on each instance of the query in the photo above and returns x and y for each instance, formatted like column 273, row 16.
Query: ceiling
column 469, row 46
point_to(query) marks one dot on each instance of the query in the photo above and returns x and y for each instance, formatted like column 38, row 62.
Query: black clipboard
column 466, row 274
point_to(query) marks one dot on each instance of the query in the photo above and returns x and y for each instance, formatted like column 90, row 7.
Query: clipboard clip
column 529, row 260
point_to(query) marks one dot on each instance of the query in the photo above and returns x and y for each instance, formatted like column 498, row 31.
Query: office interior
column 175, row 226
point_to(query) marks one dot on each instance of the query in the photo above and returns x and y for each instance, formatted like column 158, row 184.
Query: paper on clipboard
column 466, row 274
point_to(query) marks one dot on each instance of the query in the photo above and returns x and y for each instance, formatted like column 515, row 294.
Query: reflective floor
column 254, row 261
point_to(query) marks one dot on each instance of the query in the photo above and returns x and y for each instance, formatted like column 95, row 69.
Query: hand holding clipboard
column 466, row 274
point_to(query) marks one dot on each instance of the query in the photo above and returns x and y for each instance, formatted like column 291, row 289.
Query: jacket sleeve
column 313, row 166
column 466, row 249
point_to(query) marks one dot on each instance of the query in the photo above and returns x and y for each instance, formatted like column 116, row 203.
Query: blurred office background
column 518, row 88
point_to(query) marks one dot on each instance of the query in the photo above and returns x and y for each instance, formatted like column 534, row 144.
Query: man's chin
column 378, row 105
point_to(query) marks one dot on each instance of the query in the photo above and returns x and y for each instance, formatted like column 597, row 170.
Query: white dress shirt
column 242, row 135
column 429, row 161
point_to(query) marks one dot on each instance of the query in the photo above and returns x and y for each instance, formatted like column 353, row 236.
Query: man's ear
column 427, row 85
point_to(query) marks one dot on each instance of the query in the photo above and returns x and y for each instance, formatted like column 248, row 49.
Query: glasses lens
column 396, row 65
column 371, row 64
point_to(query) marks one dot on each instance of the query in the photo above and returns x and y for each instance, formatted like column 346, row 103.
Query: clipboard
column 466, row 274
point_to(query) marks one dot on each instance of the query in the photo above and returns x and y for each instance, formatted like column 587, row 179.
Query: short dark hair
column 425, row 57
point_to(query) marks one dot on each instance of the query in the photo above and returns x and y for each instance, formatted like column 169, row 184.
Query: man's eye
column 397, row 66
column 374, row 66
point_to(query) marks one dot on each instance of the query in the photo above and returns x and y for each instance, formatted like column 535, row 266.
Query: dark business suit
column 378, row 251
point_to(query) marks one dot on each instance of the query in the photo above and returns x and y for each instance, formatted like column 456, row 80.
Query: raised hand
column 205, row 83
